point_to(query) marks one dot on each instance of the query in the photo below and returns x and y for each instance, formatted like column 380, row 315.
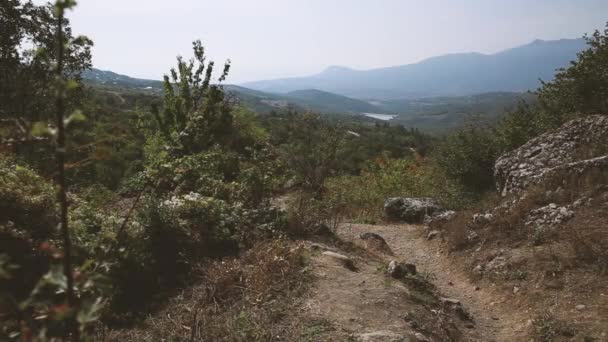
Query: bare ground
column 367, row 301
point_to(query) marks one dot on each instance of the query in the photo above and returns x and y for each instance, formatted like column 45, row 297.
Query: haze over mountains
column 436, row 94
column 514, row 70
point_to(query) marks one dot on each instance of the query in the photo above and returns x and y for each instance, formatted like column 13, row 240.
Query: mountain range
column 517, row 69
column 435, row 94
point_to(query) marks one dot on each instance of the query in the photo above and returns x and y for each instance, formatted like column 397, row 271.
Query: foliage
column 362, row 197
column 467, row 156
column 195, row 114
column 27, row 80
column 582, row 88
column 312, row 151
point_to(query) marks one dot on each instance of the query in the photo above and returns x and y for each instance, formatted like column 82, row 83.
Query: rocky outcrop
column 563, row 150
column 411, row 210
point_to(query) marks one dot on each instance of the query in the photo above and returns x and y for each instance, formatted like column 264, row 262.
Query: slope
column 515, row 70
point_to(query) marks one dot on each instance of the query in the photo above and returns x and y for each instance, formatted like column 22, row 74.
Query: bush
column 467, row 156
column 362, row 197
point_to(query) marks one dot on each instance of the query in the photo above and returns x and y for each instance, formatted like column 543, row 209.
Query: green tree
column 27, row 57
column 582, row 88
column 196, row 113
column 468, row 156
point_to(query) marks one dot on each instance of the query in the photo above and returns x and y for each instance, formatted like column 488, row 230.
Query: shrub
column 362, row 197
column 467, row 156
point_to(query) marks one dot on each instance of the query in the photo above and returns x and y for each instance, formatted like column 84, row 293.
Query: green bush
column 362, row 197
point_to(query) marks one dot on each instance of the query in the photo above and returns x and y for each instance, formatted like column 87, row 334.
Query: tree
column 27, row 57
column 196, row 113
column 313, row 150
column 582, row 88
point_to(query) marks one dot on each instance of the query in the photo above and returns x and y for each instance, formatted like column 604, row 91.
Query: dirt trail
column 362, row 302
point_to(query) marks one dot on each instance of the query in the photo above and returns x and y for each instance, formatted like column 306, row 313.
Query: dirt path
column 494, row 319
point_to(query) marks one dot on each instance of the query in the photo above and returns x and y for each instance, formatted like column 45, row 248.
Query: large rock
column 565, row 150
column 411, row 210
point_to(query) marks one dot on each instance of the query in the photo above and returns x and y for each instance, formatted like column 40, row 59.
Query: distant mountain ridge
column 263, row 102
column 110, row 78
column 513, row 70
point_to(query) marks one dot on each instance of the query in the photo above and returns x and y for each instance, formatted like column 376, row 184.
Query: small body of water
column 384, row 117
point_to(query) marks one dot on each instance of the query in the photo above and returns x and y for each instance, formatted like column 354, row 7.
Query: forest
column 114, row 201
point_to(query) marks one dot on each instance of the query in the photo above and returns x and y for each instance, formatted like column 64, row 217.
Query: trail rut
column 357, row 302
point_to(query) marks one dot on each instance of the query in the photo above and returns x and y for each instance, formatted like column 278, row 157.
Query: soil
column 367, row 300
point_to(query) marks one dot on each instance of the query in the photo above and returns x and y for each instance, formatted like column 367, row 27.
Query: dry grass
column 243, row 299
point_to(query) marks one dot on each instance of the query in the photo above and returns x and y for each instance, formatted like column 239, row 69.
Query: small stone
column 420, row 337
column 450, row 301
column 381, row 336
column 515, row 289
column 580, row 307
column 432, row 234
column 477, row 288
column 343, row 259
column 478, row 270
column 399, row 270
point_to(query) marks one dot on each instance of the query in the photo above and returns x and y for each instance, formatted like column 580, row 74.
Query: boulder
column 553, row 153
column 411, row 210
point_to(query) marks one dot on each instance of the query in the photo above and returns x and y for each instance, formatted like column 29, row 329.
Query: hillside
column 258, row 101
column 328, row 102
column 112, row 79
column 429, row 114
column 513, row 70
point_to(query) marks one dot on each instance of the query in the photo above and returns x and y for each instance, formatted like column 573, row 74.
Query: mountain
column 261, row 102
column 323, row 101
column 301, row 100
column 514, row 70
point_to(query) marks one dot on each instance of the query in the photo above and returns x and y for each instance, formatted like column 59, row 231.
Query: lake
column 384, row 117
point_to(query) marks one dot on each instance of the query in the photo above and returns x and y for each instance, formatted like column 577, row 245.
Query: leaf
column 76, row 116
column 89, row 311
column 40, row 129
column 71, row 85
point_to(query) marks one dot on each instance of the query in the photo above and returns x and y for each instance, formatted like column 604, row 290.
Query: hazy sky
column 279, row 38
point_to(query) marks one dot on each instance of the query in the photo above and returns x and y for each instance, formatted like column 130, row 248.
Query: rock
column 515, row 290
column 382, row 336
column 449, row 301
column 580, row 307
column 549, row 216
column 376, row 242
column 342, row 259
column 322, row 229
column 320, row 246
column 399, row 270
column 552, row 153
column 478, row 270
column 483, row 218
column 433, row 234
column 421, row 337
column 472, row 236
column 441, row 217
column 410, row 210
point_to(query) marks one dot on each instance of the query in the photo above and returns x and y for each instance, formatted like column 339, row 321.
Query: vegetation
column 112, row 199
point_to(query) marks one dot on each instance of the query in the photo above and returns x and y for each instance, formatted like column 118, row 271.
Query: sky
column 267, row 39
